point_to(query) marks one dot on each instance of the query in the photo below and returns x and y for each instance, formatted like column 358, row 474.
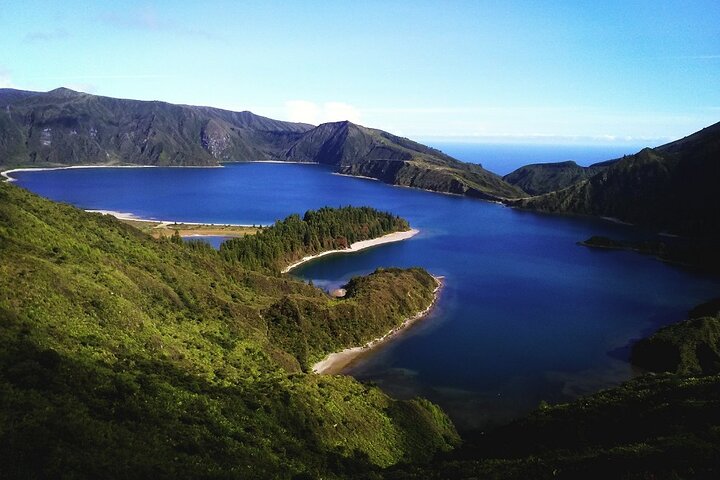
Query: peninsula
column 357, row 246
column 335, row 362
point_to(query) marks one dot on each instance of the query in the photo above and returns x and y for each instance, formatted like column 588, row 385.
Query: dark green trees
column 317, row 231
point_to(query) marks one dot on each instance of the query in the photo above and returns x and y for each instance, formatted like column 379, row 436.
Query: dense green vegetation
column 700, row 253
column 310, row 327
column 63, row 127
column 317, row 231
column 656, row 426
column 540, row 178
column 663, row 426
column 672, row 187
column 122, row 356
column 691, row 347
column 368, row 152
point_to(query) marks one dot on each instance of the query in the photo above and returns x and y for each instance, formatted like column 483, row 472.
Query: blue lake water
column 214, row 240
column 525, row 314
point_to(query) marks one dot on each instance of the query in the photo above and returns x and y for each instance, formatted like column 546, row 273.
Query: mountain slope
column 540, row 178
column 63, row 127
column 367, row 152
column 127, row 357
column 672, row 187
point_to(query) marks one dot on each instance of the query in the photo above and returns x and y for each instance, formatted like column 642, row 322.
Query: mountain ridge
column 539, row 178
column 668, row 188
column 64, row 127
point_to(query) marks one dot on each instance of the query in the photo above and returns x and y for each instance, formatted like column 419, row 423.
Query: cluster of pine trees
column 293, row 238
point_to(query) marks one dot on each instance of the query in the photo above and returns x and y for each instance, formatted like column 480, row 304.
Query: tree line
column 317, row 231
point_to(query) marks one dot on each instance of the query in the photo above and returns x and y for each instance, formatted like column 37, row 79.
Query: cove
column 525, row 314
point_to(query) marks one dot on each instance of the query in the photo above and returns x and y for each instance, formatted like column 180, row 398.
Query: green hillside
column 540, row 178
column 64, row 127
column 317, row 231
column 691, row 347
column 368, row 152
column 122, row 356
column 654, row 427
column 672, row 187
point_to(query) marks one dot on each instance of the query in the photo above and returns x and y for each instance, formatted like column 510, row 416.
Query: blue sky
column 563, row 72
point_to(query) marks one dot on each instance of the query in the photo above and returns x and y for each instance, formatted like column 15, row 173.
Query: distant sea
column 504, row 158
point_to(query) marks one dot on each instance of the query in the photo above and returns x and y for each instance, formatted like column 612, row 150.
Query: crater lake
column 525, row 314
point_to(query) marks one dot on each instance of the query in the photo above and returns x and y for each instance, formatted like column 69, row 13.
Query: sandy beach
column 335, row 362
column 8, row 178
column 166, row 228
column 357, row 246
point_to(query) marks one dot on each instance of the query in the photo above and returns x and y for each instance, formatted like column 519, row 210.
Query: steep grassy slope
column 367, row 152
column 656, row 426
column 699, row 253
column 122, row 356
column 691, row 347
column 673, row 187
column 63, row 127
column 540, row 178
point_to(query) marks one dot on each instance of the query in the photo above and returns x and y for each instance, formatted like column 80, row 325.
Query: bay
column 525, row 314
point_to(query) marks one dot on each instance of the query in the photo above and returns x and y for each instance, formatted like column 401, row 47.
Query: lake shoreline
column 357, row 246
column 335, row 362
column 166, row 223
column 6, row 173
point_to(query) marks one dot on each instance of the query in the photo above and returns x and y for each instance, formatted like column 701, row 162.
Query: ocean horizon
column 503, row 158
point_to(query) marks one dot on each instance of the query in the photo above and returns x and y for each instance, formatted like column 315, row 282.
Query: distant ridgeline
column 63, row 127
column 292, row 239
column 124, row 356
column 670, row 187
column 673, row 187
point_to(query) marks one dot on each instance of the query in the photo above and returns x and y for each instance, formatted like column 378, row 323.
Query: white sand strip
column 7, row 173
column 166, row 223
column 335, row 362
column 357, row 246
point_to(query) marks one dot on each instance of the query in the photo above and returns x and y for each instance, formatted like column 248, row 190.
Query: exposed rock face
column 63, row 127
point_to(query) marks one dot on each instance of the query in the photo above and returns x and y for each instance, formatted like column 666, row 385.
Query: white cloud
column 311, row 112
column 337, row 111
column 302, row 111
column 5, row 80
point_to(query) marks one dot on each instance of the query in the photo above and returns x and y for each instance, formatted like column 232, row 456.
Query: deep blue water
column 525, row 314
column 504, row 158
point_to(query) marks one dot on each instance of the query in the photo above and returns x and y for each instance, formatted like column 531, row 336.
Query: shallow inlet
column 525, row 314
